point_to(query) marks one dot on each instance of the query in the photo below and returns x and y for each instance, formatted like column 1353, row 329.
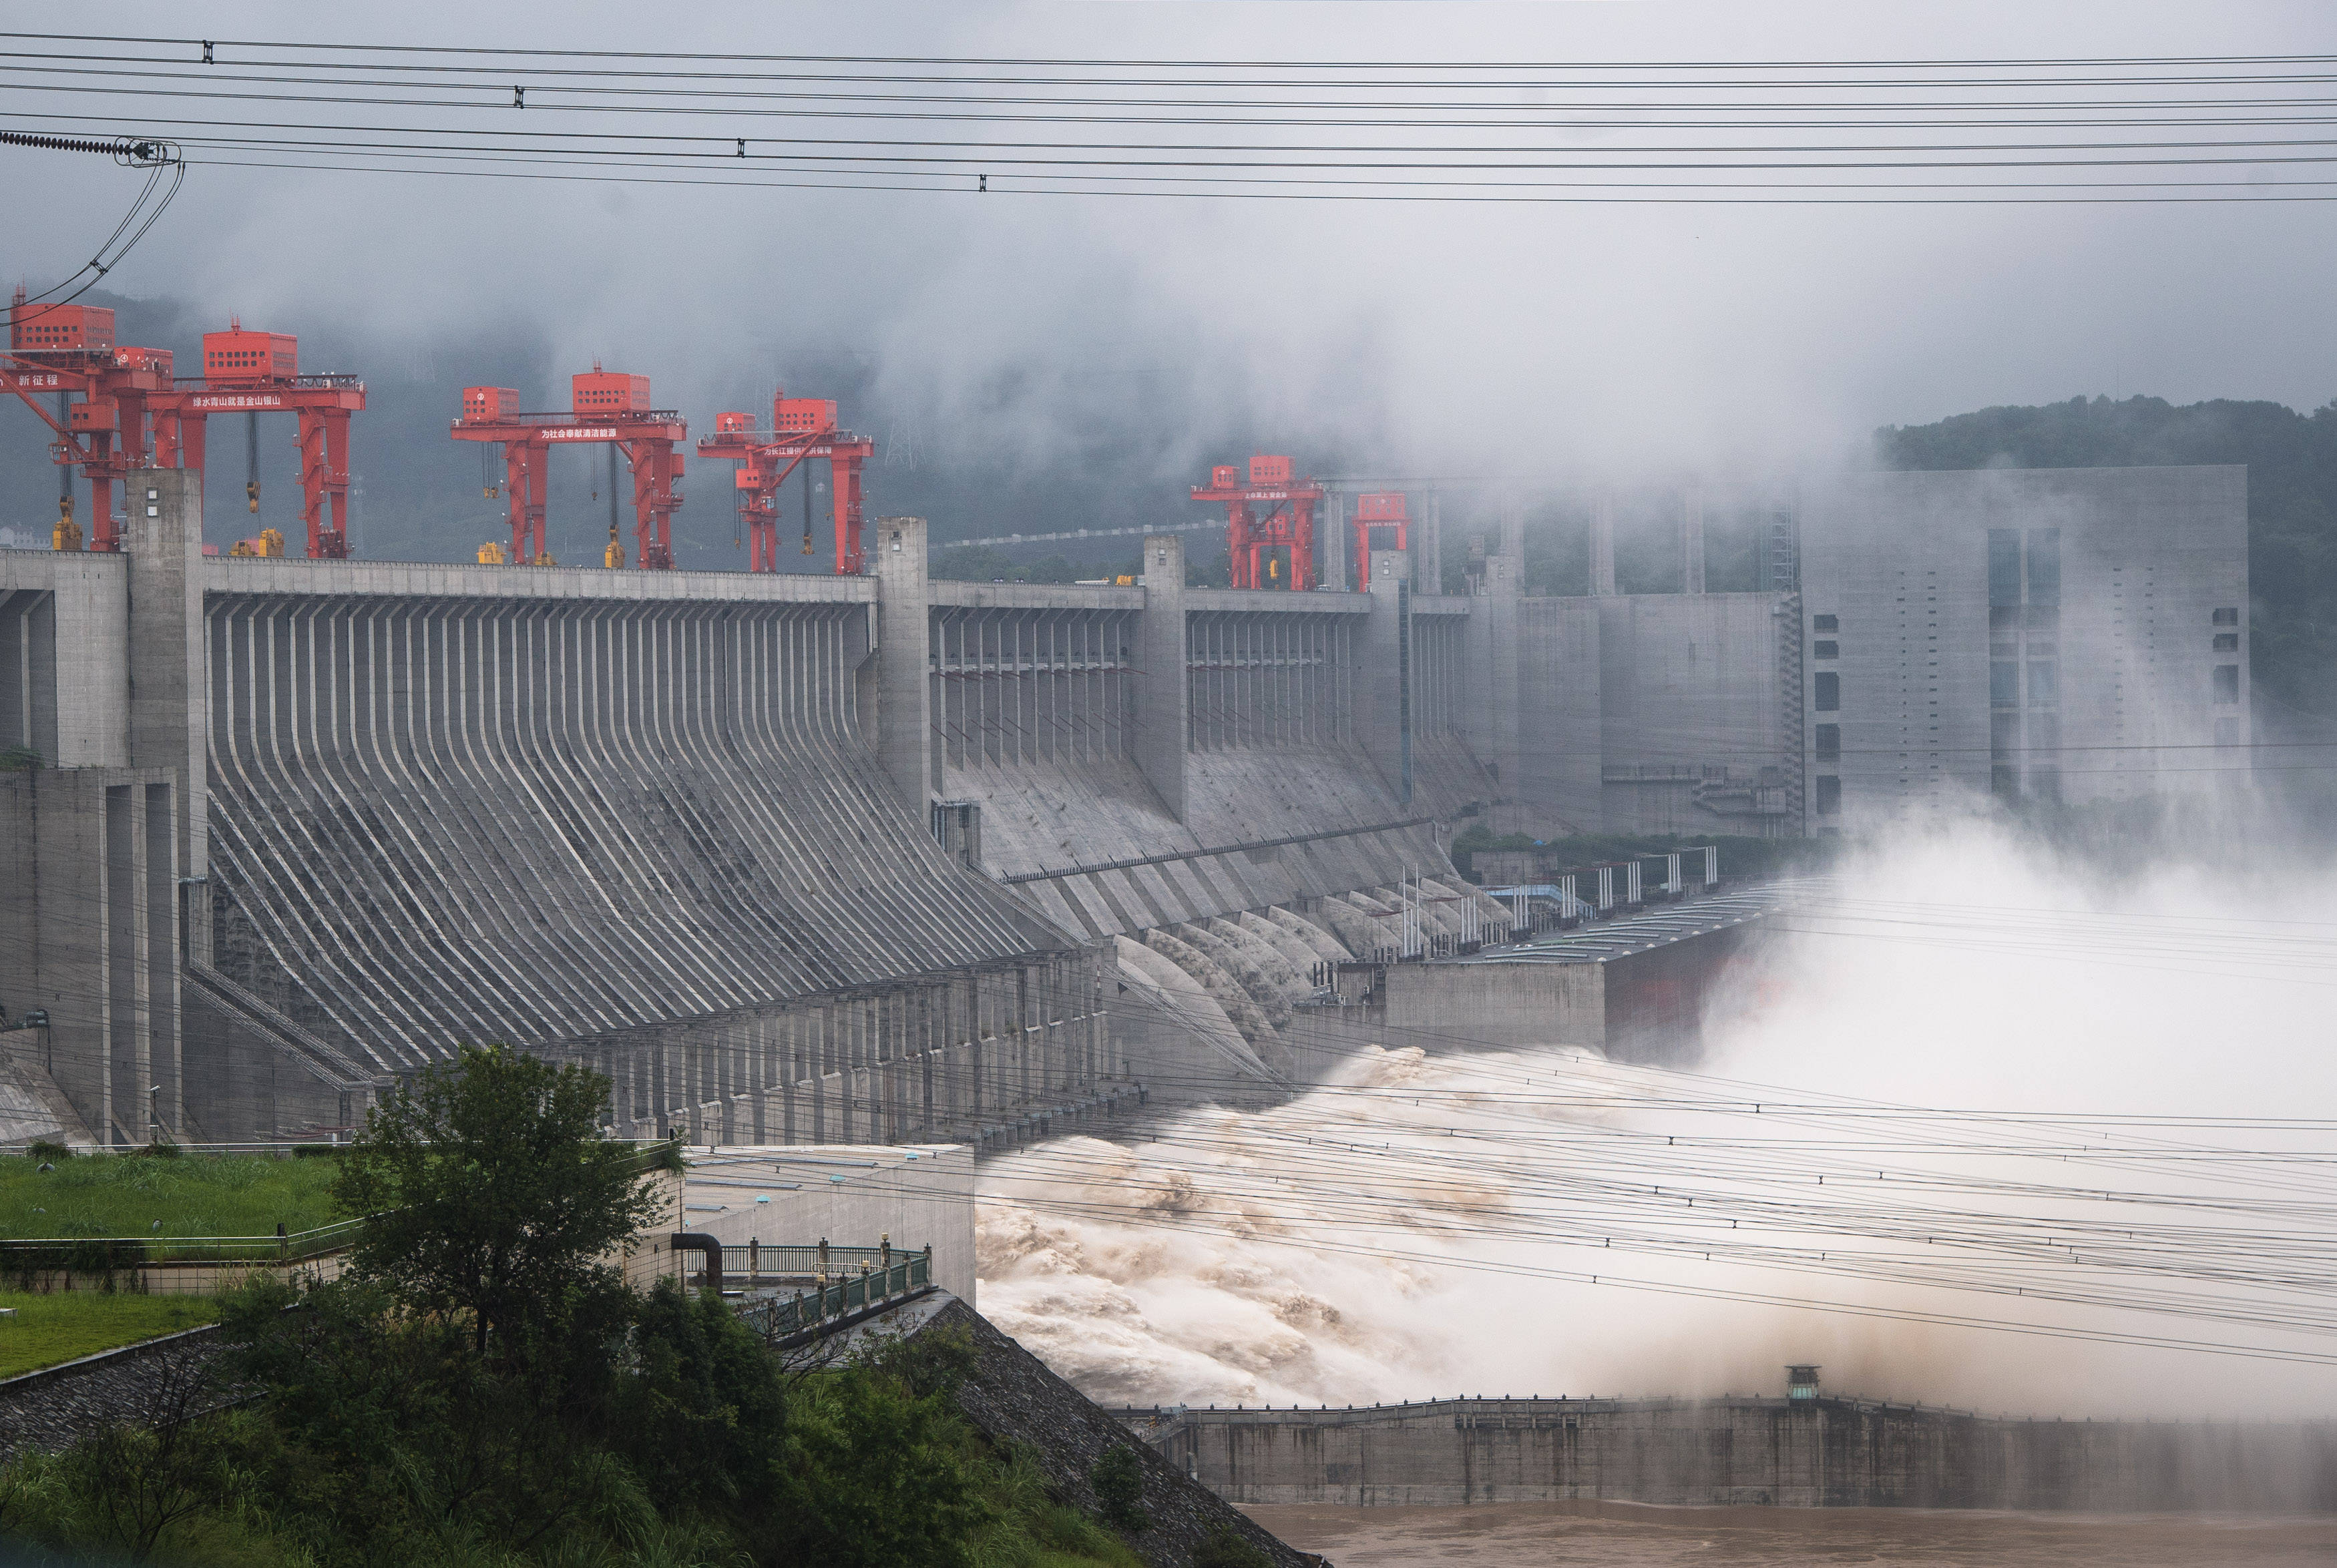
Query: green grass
column 196, row 1195
column 47, row 1330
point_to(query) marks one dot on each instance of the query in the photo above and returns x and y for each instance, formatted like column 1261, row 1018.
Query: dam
column 868, row 858
column 788, row 858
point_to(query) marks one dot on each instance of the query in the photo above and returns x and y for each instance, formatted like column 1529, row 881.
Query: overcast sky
column 1545, row 338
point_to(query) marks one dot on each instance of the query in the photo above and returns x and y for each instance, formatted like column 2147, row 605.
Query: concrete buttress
column 1163, row 690
column 170, row 713
column 1384, row 705
column 904, row 718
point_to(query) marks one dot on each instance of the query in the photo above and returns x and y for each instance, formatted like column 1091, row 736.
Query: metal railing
column 778, row 1317
column 768, row 1260
column 99, row 1254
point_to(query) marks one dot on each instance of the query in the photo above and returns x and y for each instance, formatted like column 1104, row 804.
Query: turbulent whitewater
column 1543, row 1222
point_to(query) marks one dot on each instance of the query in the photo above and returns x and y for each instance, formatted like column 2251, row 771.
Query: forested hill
column 2292, row 462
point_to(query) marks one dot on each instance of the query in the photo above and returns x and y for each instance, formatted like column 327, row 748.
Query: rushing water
column 1631, row 1535
column 1433, row 1223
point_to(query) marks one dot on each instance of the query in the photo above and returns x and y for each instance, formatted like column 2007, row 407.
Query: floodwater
column 1638, row 1536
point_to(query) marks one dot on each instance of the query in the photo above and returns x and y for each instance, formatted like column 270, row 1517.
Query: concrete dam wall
column 1120, row 798
column 447, row 815
column 791, row 859
column 1804, row 1452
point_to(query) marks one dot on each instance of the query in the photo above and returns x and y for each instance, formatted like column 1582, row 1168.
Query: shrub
column 1118, row 1478
column 1226, row 1549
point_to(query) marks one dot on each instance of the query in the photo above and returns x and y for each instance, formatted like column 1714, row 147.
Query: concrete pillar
column 1163, row 690
column 1331, row 540
column 1430, row 550
column 1513, row 530
column 129, row 1071
column 1602, row 545
column 72, row 907
column 170, row 689
column 1490, row 724
column 1692, row 540
column 1384, row 684
column 905, row 700
column 977, row 1059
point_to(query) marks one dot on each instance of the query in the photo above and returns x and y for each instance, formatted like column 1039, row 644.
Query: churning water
column 1628, row 1535
column 1990, row 1136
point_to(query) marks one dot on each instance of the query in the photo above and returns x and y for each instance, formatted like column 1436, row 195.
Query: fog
column 1032, row 340
column 1028, row 347
column 1375, row 1242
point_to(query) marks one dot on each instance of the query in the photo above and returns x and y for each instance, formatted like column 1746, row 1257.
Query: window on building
column 2003, row 682
column 1829, row 692
column 2044, row 733
column 2045, row 565
column 2003, row 566
column 1829, row 742
column 1833, row 650
column 1829, row 793
column 2227, row 642
column 2227, row 683
column 2042, row 617
column 2003, row 734
column 2044, row 682
column 2227, row 617
column 1825, row 623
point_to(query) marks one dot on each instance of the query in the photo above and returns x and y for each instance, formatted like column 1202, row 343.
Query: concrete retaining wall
column 1642, row 1007
column 1828, row 1452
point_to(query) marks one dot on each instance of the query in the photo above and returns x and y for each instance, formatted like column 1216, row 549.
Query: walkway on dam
column 1660, row 925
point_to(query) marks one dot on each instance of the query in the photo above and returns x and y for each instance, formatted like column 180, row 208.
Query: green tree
column 493, row 1196
column 702, row 1416
column 1118, row 1478
column 880, row 1476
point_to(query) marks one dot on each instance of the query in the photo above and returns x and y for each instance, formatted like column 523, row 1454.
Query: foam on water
column 1350, row 1245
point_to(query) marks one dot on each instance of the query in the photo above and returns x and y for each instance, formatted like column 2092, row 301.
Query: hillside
column 2292, row 462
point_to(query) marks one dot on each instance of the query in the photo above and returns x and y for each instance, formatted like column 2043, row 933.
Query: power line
column 728, row 57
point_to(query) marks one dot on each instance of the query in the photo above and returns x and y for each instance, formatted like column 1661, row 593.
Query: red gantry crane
column 256, row 372
column 607, row 407
column 56, row 352
column 801, row 428
column 133, row 414
column 1269, row 522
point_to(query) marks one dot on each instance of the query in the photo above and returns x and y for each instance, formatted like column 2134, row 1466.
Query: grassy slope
column 198, row 1196
column 47, row 1330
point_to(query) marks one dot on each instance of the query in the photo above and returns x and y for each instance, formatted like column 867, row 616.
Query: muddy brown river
column 1637, row 1535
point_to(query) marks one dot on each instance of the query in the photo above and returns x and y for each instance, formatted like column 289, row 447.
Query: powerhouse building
column 2072, row 635
column 1918, row 638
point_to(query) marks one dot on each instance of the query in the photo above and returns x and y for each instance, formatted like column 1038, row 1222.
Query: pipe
column 709, row 1245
